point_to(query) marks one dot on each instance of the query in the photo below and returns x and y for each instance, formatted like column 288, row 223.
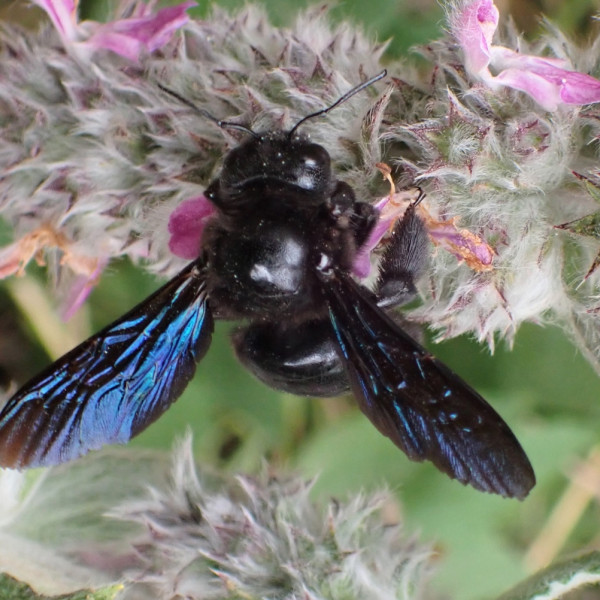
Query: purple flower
column 144, row 32
column 549, row 81
column 462, row 243
column 186, row 225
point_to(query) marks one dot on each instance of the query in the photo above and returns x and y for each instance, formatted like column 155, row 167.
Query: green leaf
column 11, row 589
column 557, row 580
column 592, row 185
column 588, row 226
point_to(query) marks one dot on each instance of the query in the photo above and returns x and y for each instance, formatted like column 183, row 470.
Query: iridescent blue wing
column 113, row 385
column 416, row 401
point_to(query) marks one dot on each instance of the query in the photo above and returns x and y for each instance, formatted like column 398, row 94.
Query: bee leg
column 403, row 262
column 300, row 359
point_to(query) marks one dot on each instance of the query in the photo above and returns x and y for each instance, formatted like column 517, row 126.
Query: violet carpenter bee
column 277, row 255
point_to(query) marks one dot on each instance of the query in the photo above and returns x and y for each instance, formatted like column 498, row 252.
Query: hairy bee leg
column 403, row 262
column 301, row 359
column 347, row 213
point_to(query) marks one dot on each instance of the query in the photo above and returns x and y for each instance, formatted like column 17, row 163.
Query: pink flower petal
column 186, row 225
column 504, row 58
column 122, row 45
column 80, row 290
column 474, row 26
column 362, row 261
column 63, row 14
column 574, row 87
column 391, row 208
column 544, row 92
column 156, row 30
column 579, row 88
column 129, row 37
column 11, row 260
column 461, row 242
column 545, row 79
column 146, row 32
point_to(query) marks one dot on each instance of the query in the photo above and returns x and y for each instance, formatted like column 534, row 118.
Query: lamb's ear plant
column 97, row 162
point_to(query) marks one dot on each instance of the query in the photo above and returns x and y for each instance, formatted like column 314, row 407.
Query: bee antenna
column 207, row 115
column 420, row 197
column 359, row 88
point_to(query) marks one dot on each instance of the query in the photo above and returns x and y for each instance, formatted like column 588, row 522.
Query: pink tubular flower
column 549, row 81
column 463, row 244
column 391, row 208
column 143, row 32
column 186, row 225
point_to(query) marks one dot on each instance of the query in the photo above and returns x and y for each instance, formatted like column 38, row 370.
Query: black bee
column 277, row 255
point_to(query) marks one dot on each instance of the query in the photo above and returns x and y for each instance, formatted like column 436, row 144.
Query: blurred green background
column 543, row 387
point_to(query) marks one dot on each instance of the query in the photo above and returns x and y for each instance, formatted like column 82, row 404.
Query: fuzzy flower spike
column 48, row 238
column 549, row 81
